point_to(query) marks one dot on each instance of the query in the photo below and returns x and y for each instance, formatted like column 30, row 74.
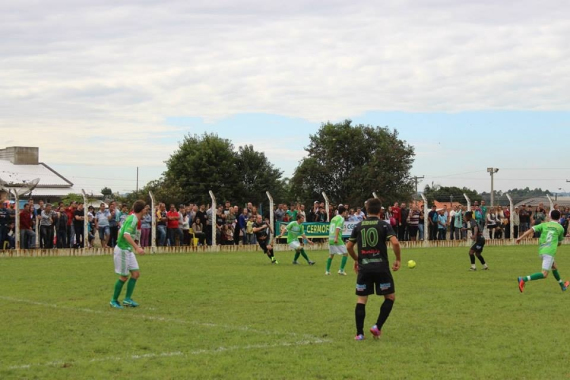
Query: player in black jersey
column 478, row 239
column 372, row 266
column 262, row 232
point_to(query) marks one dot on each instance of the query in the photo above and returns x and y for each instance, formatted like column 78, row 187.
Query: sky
column 105, row 87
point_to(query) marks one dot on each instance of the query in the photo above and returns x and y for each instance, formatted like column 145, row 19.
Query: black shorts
column 382, row 282
column 263, row 245
column 479, row 245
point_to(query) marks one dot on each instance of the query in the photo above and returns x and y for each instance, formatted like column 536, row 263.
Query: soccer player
column 124, row 256
column 551, row 236
column 260, row 229
column 336, row 244
column 294, row 230
column 372, row 266
column 478, row 241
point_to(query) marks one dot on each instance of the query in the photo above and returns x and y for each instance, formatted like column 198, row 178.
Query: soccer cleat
column 342, row 273
column 565, row 286
column 375, row 332
column 311, row 262
column 295, row 262
column 521, row 284
column 473, row 269
column 359, row 337
column 274, row 262
column 327, row 273
column 129, row 303
column 115, row 304
column 485, row 267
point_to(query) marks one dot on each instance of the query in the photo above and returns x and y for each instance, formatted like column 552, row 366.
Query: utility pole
column 492, row 171
column 422, row 177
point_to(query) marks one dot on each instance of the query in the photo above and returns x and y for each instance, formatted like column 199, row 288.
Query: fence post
column 326, row 205
column 426, row 212
column 214, row 207
column 153, row 223
column 468, row 209
column 511, row 217
column 17, row 220
column 551, row 203
column 271, row 214
column 85, row 220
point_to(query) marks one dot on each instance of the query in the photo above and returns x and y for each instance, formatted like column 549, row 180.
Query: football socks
column 385, row 311
column 343, row 263
column 118, row 287
column 360, row 314
column 329, row 262
column 130, row 287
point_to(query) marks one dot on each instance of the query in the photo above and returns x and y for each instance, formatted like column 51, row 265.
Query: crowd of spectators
column 62, row 226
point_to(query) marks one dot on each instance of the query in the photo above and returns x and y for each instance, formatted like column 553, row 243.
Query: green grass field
column 233, row 315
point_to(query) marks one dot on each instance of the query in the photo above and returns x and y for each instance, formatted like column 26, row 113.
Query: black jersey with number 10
column 371, row 236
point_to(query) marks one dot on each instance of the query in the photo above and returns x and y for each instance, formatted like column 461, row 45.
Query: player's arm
column 396, row 248
column 475, row 232
column 336, row 234
column 307, row 239
column 133, row 244
column 352, row 253
column 527, row 233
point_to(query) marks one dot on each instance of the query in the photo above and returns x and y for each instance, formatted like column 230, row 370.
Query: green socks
column 304, row 255
column 130, row 288
column 118, row 287
column 297, row 254
column 556, row 274
column 534, row 276
column 329, row 262
column 343, row 263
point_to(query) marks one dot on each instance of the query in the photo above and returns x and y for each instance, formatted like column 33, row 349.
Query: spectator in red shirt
column 172, row 224
column 27, row 234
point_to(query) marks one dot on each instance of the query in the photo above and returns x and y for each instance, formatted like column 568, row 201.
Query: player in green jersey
column 124, row 257
column 295, row 230
column 551, row 236
column 336, row 244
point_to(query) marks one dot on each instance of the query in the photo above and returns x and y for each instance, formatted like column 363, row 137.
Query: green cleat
column 115, row 304
column 129, row 303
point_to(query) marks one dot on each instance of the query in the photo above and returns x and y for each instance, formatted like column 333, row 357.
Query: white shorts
column 125, row 261
column 337, row 249
column 547, row 262
column 295, row 245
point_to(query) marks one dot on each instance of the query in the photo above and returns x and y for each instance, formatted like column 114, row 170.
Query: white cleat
column 341, row 273
column 327, row 273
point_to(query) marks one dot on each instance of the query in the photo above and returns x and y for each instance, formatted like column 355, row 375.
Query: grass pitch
column 234, row 315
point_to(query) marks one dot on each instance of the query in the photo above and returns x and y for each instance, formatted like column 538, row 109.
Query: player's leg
column 547, row 262
column 472, row 258
column 479, row 251
column 304, row 254
column 295, row 246
column 343, row 261
column 364, row 287
column 120, row 261
column 271, row 255
column 384, row 286
column 563, row 285
column 329, row 261
column 133, row 267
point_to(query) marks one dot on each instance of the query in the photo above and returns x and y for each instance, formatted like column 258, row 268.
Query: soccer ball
column 411, row 264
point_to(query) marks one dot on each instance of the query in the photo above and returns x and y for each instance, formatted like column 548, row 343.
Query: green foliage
column 444, row 194
column 72, row 198
column 208, row 162
column 350, row 162
column 518, row 195
column 234, row 315
column 107, row 192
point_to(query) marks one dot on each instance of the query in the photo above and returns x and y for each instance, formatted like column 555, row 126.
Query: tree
column 107, row 193
column 208, row 162
column 444, row 194
column 350, row 162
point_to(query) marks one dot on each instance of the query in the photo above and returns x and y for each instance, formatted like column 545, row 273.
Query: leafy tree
column 350, row 162
column 446, row 193
column 208, row 162
column 108, row 193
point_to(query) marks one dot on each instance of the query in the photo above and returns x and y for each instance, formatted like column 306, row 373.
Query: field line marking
column 157, row 318
column 172, row 354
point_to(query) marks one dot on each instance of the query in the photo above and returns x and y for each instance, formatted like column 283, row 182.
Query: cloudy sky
column 103, row 87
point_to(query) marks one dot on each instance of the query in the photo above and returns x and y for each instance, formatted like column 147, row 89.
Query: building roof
column 20, row 174
column 561, row 201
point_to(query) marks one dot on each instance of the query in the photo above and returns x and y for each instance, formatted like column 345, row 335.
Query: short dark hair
column 373, row 206
column 139, row 206
column 341, row 209
column 554, row 214
column 469, row 214
column 299, row 216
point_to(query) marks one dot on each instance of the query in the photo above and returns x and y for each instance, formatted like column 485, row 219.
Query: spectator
column 492, row 222
column 360, row 214
column 441, row 225
column 27, row 234
column 403, row 234
column 209, row 224
column 279, row 213
column 524, row 216
column 198, row 228
column 322, row 217
column 314, row 212
column 90, row 225
column 421, row 224
column 457, row 222
column 161, row 220
column 113, row 224
column 507, row 223
column 172, row 224
column 78, row 226
column 10, row 238
column 46, row 227
column 185, row 223
column 516, row 223
column 412, row 222
column 220, row 222
column 249, row 230
column 146, row 227
column 61, row 228
column 102, row 225
column 4, row 224
column 242, row 223
column 433, row 223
